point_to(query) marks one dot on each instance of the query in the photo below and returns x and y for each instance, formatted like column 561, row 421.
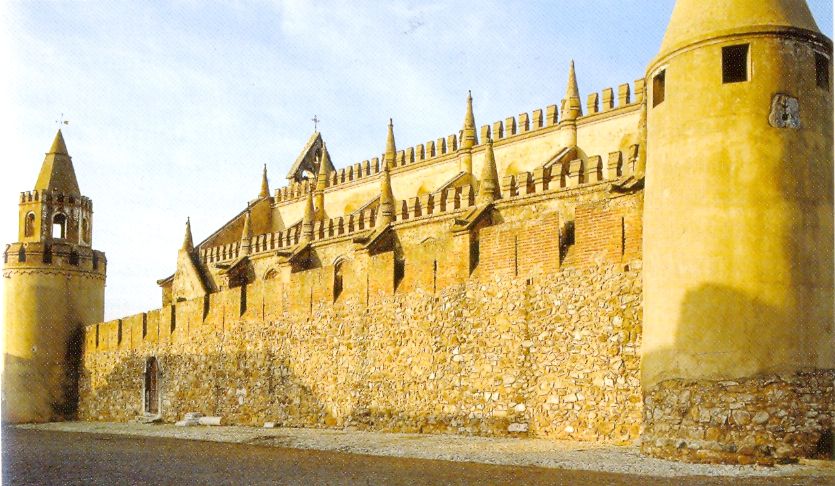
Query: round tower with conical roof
column 53, row 285
column 738, row 346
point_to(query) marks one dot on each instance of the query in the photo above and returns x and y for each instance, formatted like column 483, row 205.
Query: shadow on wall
column 41, row 391
column 737, row 336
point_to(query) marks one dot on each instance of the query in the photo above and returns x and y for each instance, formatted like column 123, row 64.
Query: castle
column 653, row 262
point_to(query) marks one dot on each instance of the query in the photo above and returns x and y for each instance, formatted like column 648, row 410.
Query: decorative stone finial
column 246, row 234
column 571, row 104
column 386, row 213
column 488, row 190
column 265, row 184
column 322, row 176
column 391, row 149
column 307, row 220
column 188, row 242
column 469, row 137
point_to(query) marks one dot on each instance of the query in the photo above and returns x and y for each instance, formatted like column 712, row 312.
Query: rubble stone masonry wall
column 556, row 355
column 763, row 419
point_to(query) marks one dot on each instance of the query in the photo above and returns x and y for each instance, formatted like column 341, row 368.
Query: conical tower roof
column 57, row 173
column 188, row 242
column 696, row 20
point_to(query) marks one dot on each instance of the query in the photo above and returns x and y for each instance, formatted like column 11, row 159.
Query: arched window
column 29, row 225
column 59, row 226
column 337, row 279
column 21, row 254
column 73, row 258
column 271, row 274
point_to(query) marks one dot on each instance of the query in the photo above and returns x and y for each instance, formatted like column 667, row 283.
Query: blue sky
column 175, row 106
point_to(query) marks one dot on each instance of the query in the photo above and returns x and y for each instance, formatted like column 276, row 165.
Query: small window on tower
column 822, row 71
column 735, row 63
column 59, row 226
column 658, row 87
column 29, row 225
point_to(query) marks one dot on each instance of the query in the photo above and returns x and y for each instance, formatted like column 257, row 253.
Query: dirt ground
column 32, row 456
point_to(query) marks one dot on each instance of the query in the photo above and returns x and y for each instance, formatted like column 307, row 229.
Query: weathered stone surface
column 762, row 420
column 463, row 360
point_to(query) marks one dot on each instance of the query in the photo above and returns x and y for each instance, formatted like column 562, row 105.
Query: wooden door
column 151, row 387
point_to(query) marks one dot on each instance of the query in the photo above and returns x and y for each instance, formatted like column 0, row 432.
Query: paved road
column 46, row 457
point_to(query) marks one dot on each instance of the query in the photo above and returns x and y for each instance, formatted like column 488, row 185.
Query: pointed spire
column 265, row 185
column 386, row 213
column 322, row 176
column 307, row 220
column 391, row 150
column 488, row 190
column 58, row 144
column 57, row 173
column 572, row 107
column 246, row 234
column 188, row 242
column 469, row 136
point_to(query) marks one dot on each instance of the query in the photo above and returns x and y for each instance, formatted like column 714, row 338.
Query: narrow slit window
column 822, row 71
column 658, row 88
column 735, row 63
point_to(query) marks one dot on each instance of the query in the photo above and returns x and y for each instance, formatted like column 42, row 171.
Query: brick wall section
column 608, row 231
column 520, row 250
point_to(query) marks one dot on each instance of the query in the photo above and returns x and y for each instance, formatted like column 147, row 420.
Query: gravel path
column 581, row 456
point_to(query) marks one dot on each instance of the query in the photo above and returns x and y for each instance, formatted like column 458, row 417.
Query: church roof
column 57, row 173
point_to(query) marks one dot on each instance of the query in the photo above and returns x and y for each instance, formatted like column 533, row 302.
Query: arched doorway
column 151, row 386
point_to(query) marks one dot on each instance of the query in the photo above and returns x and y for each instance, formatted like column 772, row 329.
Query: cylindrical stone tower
column 739, row 348
column 53, row 285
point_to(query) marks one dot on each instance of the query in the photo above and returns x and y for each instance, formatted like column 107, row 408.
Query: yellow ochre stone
column 655, row 264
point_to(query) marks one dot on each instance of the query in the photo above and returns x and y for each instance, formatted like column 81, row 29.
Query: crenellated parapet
column 56, row 197
column 571, row 174
column 55, row 256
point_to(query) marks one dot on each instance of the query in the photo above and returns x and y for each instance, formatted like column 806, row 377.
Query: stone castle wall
column 554, row 356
